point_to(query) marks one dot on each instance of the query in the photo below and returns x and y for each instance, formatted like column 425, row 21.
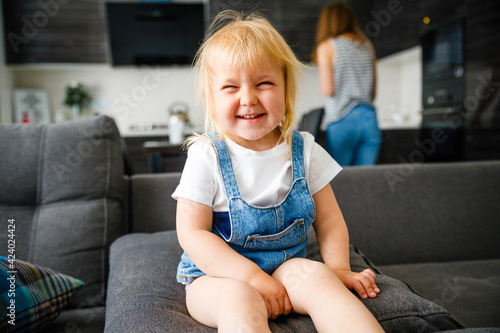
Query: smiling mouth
column 251, row 116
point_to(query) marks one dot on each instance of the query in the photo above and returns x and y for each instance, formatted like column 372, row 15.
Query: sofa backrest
column 420, row 213
column 152, row 208
column 395, row 213
column 63, row 186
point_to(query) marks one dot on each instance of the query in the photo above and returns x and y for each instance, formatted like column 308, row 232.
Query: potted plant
column 77, row 98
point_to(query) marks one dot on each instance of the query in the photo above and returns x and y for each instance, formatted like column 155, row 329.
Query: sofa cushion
column 32, row 296
column 63, row 188
column 396, row 307
column 469, row 290
column 144, row 296
column 83, row 320
column 476, row 330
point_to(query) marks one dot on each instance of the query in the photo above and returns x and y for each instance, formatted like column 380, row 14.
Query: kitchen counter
column 163, row 132
column 398, row 126
column 145, row 133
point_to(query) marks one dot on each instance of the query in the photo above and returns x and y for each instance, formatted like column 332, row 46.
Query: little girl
column 251, row 188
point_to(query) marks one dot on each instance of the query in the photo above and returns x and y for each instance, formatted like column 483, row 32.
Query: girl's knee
column 240, row 294
column 230, row 305
column 300, row 272
column 240, row 289
column 242, row 306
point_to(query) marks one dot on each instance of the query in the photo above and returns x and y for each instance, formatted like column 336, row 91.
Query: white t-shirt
column 263, row 177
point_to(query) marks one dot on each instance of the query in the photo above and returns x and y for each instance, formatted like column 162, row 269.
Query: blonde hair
column 247, row 42
column 335, row 19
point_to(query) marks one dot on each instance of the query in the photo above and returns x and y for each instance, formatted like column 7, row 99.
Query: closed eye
column 228, row 87
column 266, row 82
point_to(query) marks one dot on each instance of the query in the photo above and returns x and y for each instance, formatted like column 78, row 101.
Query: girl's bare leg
column 227, row 304
column 315, row 290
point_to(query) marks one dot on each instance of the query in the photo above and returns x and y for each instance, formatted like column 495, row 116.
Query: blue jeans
column 356, row 138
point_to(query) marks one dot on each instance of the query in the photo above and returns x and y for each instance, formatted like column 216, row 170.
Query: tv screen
column 154, row 33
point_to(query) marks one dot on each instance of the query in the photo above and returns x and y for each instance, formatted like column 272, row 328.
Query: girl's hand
column 273, row 293
column 363, row 283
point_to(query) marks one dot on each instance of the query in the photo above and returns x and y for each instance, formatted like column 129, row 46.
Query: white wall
column 309, row 96
column 137, row 95
column 399, row 89
column 134, row 95
column 131, row 95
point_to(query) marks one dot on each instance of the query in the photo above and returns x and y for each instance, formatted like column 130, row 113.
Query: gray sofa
column 431, row 233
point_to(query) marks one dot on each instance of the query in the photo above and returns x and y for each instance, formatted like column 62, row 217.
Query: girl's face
column 249, row 104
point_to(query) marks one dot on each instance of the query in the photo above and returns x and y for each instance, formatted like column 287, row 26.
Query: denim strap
column 297, row 156
column 225, row 164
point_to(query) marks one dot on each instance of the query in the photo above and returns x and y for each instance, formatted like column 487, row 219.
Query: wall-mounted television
column 154, row 33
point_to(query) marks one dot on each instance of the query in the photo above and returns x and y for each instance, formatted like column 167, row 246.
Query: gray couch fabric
column 157, row 214
column 143, row 289
column 422, row 213
column 80, row 320
column 64, row 186
column 399, row 240
column 467, row 289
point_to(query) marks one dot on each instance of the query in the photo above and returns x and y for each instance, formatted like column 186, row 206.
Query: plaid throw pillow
column 32, row 296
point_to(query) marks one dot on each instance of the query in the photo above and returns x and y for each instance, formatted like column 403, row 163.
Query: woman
column 346, row 62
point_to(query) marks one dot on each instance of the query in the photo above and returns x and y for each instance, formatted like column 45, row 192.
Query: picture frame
column 31, row 106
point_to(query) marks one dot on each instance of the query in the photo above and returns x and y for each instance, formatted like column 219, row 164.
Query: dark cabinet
column 483, row 145
column 478, row 102
column 400, row 146
column 171, row 161
column 58, row 31
column 440, row 13
column 74, row 31
column 392, row 26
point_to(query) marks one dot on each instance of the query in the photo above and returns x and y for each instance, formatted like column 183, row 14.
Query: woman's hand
column 273, row 293
column 363, row 283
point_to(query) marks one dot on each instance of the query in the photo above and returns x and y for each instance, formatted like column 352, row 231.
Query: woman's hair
column 246, row 42
column 336, row 19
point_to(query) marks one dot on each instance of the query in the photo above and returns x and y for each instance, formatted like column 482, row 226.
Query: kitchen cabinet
column 392, row 26
column 399, row 146
column 295, row 20
column 138, row 157
column 482, row 145
column 64, row 31
column 440, row 13
column 478, row 121
column 57, row 31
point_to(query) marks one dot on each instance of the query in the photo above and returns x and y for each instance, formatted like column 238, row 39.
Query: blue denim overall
column 266, row 235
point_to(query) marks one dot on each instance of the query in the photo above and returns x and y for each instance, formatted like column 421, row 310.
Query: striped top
column 353, row 78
